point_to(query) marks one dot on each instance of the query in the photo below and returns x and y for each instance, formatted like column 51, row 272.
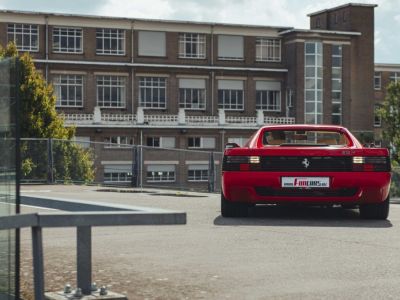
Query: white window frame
column 316, row 79
column 83, row 141
column 394, row 77
column 268, row 49
column 220, row 51
column 200, row 142
column 377, row 119
column 71, row 34
column 377, row 78
column 24, row 30
column 161, row 141
column 111, row 34
column 162, row 175
column 71, row 83
column 118, row 142
column 268, row 96
column 231, row 94
column 152, row 43
column 196, row 42
column 192, row 93
column 240, row 140
column 197, row 173
column 156, row 85
column 119, row 175
column 110, row 82
column 339, row 81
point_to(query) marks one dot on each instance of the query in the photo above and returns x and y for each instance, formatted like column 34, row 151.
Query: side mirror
column 231, row 145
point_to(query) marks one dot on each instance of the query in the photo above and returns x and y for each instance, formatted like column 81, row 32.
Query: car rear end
column 306, row 174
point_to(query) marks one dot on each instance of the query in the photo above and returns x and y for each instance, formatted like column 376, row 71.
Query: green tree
column 39, row 119
column 390, row 114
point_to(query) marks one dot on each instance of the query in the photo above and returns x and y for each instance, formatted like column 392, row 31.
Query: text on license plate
column 305, row 182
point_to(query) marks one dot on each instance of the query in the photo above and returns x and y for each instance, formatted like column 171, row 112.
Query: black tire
column 233, row 209
column 376, row 211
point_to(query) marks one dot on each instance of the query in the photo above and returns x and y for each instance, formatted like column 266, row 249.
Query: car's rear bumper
column 345, row 187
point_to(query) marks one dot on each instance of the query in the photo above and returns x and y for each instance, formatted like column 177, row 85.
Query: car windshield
column 304, row 138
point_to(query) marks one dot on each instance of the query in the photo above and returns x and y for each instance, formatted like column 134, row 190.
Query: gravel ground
column 283, row 253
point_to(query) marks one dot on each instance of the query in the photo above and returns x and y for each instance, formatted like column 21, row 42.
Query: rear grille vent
column 307, row 164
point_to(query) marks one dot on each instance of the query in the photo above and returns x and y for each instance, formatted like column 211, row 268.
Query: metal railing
column 168, row 120
column 60, row 161
column 83, row 222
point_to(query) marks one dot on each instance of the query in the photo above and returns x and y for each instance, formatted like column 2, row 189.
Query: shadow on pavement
column 302, row 216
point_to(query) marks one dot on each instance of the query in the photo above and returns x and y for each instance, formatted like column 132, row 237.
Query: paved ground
column 274, row 254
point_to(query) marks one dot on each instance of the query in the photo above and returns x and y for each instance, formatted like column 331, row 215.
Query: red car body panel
column 345, row 187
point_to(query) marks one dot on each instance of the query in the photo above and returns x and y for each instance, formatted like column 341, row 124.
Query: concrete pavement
column 305, row 253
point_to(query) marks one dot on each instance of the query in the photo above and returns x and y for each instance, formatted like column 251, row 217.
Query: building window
column 268, row 49
column 337, row 61
column 318, row 23
column 160, row 173
column 67, row 40
column 313, row 82
column 268, row 95
column 241, row 141
column 377, row 118
column 153, row 92
column 230, row 94
column 110, row 41
column 24, row 36
column 111, row 91
column 197, row 173
column 117, row 173
column 230, row 47
column 162, row 142
column 68, row 90
column 118, row 142
column 151, row 43
column 83, row 141
column 192, row 45
column 377, row 80
column 394, row 77
column 192, row 93
column 201, row 142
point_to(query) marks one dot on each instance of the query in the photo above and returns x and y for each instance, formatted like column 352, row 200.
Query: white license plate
column 305, row 182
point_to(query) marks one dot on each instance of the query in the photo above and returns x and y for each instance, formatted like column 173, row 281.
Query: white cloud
column 157, row 9
column 378, row 38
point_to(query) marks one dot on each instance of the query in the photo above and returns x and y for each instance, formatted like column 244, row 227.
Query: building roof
column 341, row 6
column 141, row 19
column 319, row 31
column 387, row 67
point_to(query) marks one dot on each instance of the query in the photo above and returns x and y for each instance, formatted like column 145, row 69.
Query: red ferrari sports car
column 305, row 164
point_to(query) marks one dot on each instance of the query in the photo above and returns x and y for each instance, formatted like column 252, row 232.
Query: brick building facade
column 196, row 85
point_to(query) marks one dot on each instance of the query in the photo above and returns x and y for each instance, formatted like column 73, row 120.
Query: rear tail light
column 371, row 164
column 241, row 163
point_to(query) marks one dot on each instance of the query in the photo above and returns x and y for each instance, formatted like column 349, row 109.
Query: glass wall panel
column 8, row 195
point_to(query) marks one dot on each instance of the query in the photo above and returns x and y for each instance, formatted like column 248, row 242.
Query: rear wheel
column 377, row 211
column 233, row 209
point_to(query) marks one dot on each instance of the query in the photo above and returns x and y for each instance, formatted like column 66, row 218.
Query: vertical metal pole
column 17, row 113
column 84, row 258
column 38, row 266
column 50, row 162
column 211, row 173
column 140, row 172
column 135, row 161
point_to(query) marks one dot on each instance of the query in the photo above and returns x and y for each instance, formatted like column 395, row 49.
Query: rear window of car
column 304, row 138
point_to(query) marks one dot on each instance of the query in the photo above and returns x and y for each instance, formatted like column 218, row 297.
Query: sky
column 290, row 13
